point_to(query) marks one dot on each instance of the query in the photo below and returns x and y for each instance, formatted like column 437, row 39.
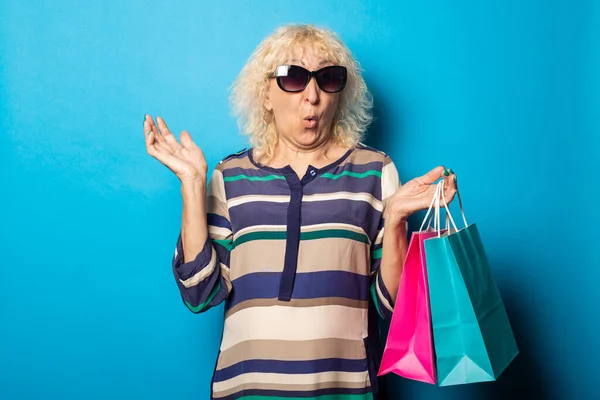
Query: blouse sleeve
column 390, row 182
column 204, row 282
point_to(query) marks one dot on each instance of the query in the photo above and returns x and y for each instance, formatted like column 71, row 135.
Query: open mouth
column 310, row 122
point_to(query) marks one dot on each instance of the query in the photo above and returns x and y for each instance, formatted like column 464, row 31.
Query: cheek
column 332, row 106
column 284, row 105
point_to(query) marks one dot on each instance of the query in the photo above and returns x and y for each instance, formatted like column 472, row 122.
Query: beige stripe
column 362, row 156
column 225, row 273
column 216, row 186
column 326, row 254
column 314, row 386
column 366, row 197
column 288, row 350
column 288, row 379
column 320, row 227
column 386, row 160
column 262, row 256
column 252, row 198
column 379, row 237
column 260, row 228
column 306, row 323
column 321, row 301
column 216, row 232
column 243, row 162
column 382, row 299
column 203, row 273
column 214, row 205
column 390, row 181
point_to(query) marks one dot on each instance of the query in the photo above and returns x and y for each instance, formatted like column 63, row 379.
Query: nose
column 312, row 92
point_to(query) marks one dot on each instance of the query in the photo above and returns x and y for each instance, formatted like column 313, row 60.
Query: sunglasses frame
column 311, row 74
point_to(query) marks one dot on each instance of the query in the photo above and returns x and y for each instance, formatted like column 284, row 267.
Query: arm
column 389, row 248
column 201, row 261
column 202, row 270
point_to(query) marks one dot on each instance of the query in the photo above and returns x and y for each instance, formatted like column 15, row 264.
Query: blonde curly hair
column 250, row 89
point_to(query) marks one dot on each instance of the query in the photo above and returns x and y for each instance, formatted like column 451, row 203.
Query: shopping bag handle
column 435, row 215
column 440, row 193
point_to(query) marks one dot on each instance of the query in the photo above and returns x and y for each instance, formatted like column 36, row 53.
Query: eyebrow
column 323, row 62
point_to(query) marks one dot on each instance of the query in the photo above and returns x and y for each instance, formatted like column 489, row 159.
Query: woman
column 290, row 233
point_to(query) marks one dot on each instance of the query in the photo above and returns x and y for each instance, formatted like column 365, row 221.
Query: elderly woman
column 303, row 235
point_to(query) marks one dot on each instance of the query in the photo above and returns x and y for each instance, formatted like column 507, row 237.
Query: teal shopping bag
column 473, row 339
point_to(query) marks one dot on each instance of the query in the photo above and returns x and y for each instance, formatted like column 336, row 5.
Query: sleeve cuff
column 385, row 300
column 186, row 270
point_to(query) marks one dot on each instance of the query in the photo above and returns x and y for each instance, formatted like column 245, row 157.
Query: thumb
column 186, row 140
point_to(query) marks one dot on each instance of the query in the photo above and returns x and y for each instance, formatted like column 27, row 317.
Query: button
column 313, row 172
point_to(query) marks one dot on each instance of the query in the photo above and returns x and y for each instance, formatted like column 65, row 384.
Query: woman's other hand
column 185, row 159
column 417, row 195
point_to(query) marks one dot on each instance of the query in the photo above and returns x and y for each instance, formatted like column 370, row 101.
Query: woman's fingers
column 167, row 135
column 147, row 128
column 157, row 136
column 432, row 176
column 186, row 140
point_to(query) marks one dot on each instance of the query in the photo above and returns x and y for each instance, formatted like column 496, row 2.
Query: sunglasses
column 293, row 78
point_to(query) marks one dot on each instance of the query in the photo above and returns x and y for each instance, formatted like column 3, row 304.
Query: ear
column 267, row 102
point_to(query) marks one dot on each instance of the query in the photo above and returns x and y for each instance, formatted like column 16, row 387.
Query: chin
column 308, row 138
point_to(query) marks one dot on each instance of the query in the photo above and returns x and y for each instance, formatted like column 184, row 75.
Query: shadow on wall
column 381, row 133
column 522, row 379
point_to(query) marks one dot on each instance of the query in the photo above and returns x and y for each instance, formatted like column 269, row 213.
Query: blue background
column 505, row 93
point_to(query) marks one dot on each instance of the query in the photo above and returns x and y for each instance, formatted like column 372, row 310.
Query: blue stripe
column 308, row 395
column 291, row 367
column 250, row 171
column 292, row 234
column 370, row 184
column 186, row 270
column 258, row 213
column 239, row 188
column 351, row 212
column 311, row 285
column 383, row 311
column 217, row 220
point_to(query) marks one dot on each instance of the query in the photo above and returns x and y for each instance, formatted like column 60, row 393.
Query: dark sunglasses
column 293, row 78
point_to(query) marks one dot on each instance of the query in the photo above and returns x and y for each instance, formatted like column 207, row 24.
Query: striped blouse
column 296, row 262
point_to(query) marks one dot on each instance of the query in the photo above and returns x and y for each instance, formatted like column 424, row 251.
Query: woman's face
column 303, row 119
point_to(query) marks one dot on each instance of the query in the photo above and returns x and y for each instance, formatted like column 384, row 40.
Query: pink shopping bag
column 409, row 350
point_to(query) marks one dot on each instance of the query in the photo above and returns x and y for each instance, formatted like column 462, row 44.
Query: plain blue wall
column 507, row 94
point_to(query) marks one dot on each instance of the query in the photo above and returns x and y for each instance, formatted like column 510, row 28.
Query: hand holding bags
column 472, row 336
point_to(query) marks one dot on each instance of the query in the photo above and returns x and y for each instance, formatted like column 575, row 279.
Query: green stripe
column 228, row 244
column 376, row 299
column 366, row 396
column 371, row 172
column 262, row 235
column 253, row 178
column 375, row 255
column 281, row 235
column 212, row 295
column 334, row 233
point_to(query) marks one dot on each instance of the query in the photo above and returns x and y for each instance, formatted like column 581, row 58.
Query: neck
column 321, row 154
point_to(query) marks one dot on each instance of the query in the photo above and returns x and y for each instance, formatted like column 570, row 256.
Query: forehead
column 307, row 54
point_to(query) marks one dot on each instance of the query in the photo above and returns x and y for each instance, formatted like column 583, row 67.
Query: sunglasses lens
column 292, row 78
column 332, row 79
